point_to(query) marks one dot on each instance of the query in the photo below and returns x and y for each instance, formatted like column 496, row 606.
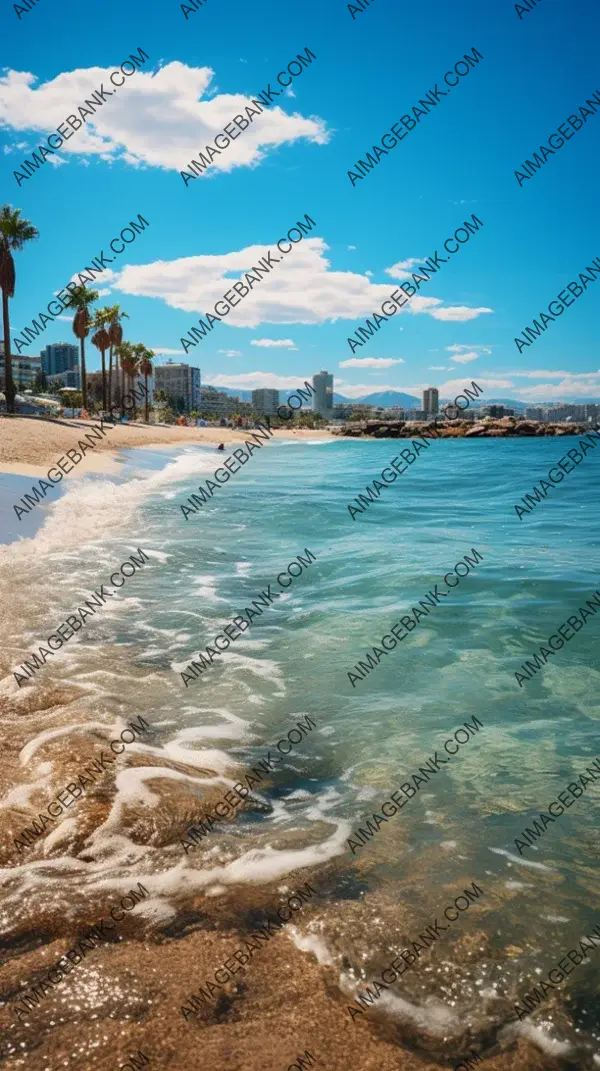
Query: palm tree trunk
column 103, row 382
column 122, row 389
column 110, row 362
column 83, row 375
column 9, row 387
column 132, row 395
column 146, row 400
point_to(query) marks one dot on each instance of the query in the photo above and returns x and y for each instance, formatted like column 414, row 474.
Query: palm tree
column 101, row 341
column 14, row 232
column 122, row 351
column 146, row 369
column 115, row 336
column 79, row 300
column 142, row 358
column 129, row 365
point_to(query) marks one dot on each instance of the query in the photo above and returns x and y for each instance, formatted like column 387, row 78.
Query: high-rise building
column 431, row 400
column 59, row 357
column 323, row 396
column 265, row 401
column 181, row 384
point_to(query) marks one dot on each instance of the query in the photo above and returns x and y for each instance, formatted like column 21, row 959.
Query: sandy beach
column 28, row 445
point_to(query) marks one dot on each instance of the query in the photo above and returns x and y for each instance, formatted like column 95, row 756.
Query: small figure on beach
column 221, row 446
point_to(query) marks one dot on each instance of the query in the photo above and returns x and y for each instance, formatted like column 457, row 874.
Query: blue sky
column 369, row 71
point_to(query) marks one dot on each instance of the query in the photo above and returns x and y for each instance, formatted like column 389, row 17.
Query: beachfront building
column 70, row 378
column 181, row 384
column 24, row 370
column 94, row 385
column 323, row 396
column 215, row 403
column 497, row 411
column 342, row 411
column 431, row 401
column 59, row 357
column 265, row 401
column 563, row 412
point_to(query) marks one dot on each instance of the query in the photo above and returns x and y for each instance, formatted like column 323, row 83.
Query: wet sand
column 28, row 446
column 127, row 995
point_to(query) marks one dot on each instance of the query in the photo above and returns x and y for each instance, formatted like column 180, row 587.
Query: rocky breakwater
column 488, row 427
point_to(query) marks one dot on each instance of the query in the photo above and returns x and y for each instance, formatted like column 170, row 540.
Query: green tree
column 71, row 399
column 130, row 359
column 115, row 336
column 14, row 233
column 40, row 382
column 145, row 357
column 101, row 340
column 80, row 299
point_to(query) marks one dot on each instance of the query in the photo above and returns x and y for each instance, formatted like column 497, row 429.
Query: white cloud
column 156, row 119
column 456, row 313
column 254, row 380
column 285, row 343
column 580, row 385
column 462, row 349
column 438, row 368
column 351, row 247
column 371, row 362
column 464, row 358
column 162, row 351
column 541, row 373
column 455, row 386
column 301, row 289
column 229, row 353
column 400, row 270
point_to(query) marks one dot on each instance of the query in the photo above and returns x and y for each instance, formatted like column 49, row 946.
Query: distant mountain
column 568, row 399
column 243, row 395
column 246, row 395
column 510, row 403
column 387, row 398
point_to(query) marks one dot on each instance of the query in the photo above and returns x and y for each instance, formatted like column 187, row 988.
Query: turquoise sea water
column 460, row 662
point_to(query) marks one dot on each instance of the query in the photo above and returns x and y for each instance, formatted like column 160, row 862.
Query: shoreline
column 32, row 445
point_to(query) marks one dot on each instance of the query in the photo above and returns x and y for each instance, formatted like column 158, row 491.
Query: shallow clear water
column 460, row 662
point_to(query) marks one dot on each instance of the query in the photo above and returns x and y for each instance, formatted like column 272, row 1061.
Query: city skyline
column 285, row 384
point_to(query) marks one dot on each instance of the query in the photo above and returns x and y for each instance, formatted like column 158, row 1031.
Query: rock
column 488, row 427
